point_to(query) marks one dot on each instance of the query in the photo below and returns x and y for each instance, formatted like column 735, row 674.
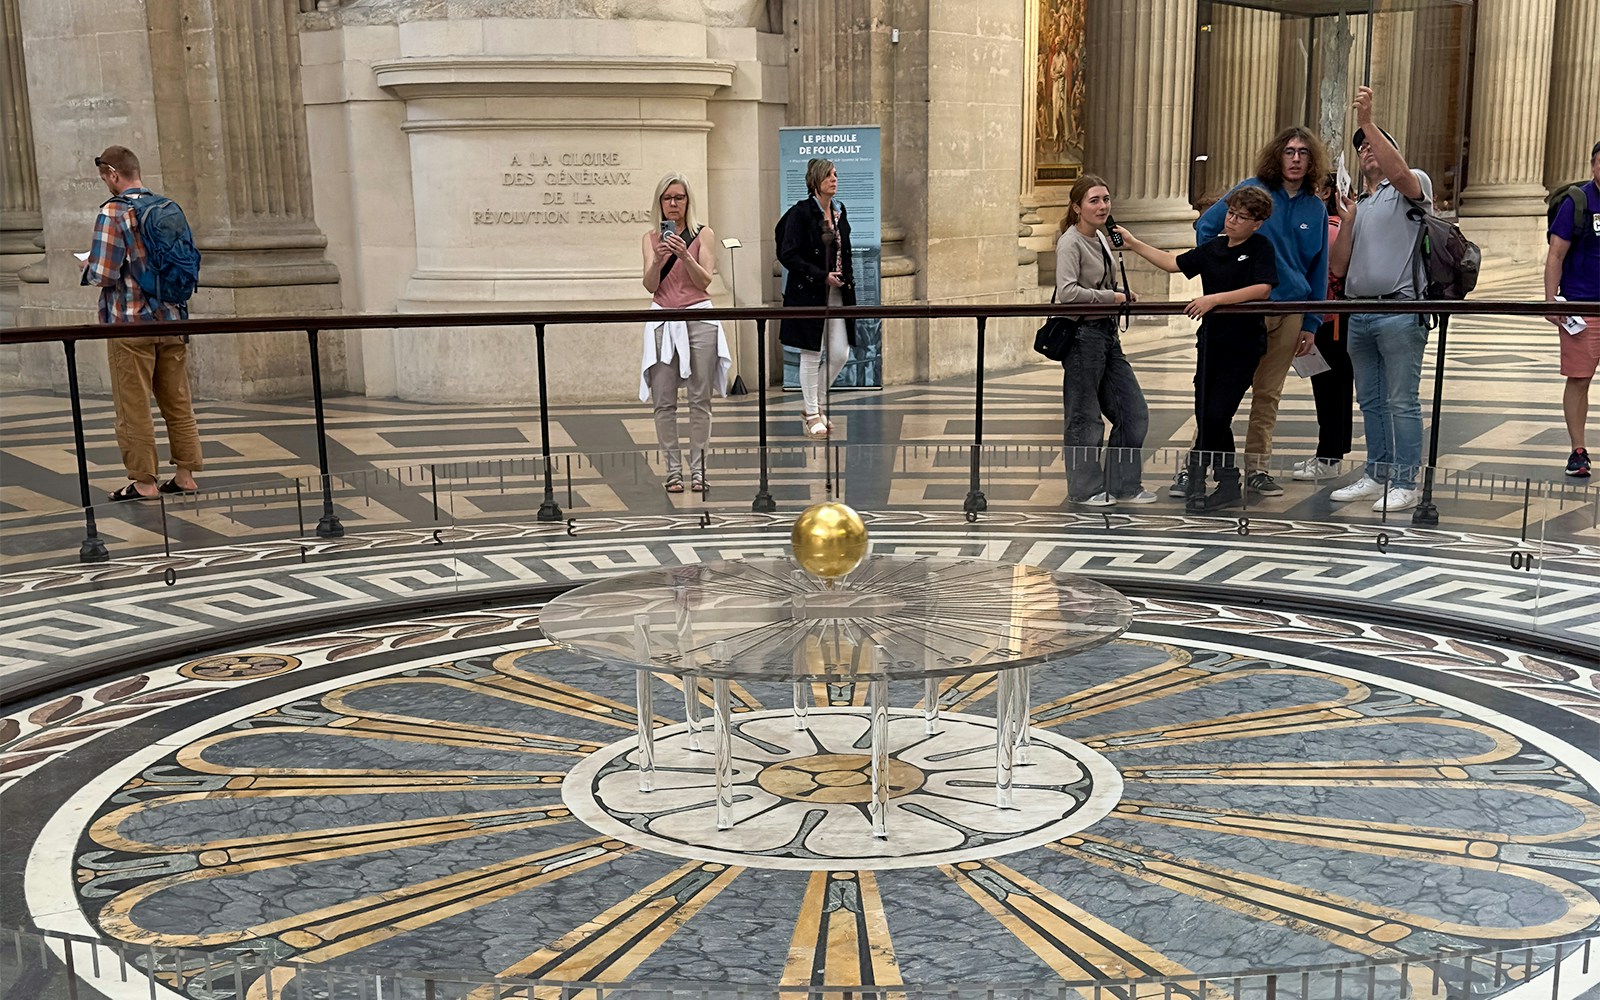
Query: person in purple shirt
column 1572, row 270
column 1289, row 169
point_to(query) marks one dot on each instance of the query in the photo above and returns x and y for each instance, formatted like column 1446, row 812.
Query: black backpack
column 1583, row 213
column 1449, row 261
column 172, row 268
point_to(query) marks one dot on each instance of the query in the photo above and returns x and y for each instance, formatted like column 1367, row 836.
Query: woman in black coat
column 814, row 245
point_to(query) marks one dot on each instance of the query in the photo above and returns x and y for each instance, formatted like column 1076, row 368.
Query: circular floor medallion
column 800, row 795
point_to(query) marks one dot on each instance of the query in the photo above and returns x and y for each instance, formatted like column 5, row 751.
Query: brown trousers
column 140, row 367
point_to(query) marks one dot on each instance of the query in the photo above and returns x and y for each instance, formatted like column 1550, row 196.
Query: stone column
column 1241, row 94
column 1294, row 62
column 1435, row 111
column 1574, row 92
column 1141, row 87
column 1141, row 61
column 20, row 220
column 1393, row 40
column 1502, row 207
column 207, row 93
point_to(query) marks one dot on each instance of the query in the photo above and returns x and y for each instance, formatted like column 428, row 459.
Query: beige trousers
column 1266, row 390
column 159, row 366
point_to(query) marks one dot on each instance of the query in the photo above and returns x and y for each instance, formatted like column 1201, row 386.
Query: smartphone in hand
column 668, row 227
column 1111, row 228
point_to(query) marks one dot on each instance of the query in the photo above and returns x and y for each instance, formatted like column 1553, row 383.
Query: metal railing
column 94, row 549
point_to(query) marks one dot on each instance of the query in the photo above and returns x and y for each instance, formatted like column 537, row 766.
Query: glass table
column 892, row 618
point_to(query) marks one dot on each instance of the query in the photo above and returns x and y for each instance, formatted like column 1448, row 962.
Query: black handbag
column 1054, row 338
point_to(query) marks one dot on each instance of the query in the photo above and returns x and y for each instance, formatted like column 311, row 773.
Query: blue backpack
column 172, row 267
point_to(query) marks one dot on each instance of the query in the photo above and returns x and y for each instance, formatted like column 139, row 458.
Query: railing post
column 976, row 501
column 92, row 550
column 763, row 503
column 1426, row 513
column 328, row 526
column 549, row 510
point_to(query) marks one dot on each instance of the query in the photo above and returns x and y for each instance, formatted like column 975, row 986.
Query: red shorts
column 1580, row 355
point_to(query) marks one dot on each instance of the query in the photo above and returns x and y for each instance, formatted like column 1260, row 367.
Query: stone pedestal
column 533, row 180
column 1574, row 92
column 1505, row 173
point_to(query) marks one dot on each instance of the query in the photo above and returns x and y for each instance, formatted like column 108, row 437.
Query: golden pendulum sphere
column 829, row 539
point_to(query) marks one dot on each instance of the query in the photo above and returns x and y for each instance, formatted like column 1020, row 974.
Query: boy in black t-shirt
column 1237, row 266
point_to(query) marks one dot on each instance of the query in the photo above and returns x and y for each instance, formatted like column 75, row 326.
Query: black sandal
column 674, row 482
column 697, row 482
column 171, row 486
column 129, row 492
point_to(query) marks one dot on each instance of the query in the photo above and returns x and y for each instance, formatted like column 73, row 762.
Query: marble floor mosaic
column 1223, row 788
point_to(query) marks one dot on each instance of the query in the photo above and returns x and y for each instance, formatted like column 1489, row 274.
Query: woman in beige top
column 1097, row 382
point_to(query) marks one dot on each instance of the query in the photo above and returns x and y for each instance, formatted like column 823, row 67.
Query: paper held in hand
column 82, row 256
column 1311, row 364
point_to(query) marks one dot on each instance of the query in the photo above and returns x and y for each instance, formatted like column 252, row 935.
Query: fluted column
column 1393, row 39
column 1241, row 93
column 1511, row 109
column 1574, row 92
column 1141, row 68
column 1438, row 50
column 261, row 199
column 20, row 220
column 1294, row 56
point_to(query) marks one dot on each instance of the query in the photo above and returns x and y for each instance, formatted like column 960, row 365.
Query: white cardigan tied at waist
column 676, row 345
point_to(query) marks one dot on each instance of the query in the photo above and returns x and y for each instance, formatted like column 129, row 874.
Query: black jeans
column 1334, row 391
column 1098, row 384
column 1225, row 367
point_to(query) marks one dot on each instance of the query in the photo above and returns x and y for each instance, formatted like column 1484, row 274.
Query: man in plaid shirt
column 140, row 366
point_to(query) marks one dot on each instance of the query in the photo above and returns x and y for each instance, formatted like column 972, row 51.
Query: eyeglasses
column 1242, row 216
column 1297, row 153
column 674, row 197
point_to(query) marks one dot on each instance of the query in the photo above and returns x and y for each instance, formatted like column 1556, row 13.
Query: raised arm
column 1390, row 161
column 1164, row 259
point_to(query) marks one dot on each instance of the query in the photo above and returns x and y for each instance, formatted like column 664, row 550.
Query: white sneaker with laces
column 1313, row 469
column 1365, row 488
column 1398, row 498
column 1143, row 496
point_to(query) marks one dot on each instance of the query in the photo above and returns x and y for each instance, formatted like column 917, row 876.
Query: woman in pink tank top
column 679, row 260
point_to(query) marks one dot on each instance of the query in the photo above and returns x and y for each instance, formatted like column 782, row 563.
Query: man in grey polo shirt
column 1377, row 250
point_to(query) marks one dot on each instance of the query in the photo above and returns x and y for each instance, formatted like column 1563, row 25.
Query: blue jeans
column 1098, row 384
column 1386, row 357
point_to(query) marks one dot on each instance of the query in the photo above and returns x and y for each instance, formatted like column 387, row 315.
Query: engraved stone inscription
column 575, row 178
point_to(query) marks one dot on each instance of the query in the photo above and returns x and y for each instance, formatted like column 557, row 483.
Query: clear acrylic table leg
column 691, row 684
column 1024, row 708
column 930, row 706
column 802, row 705
column 878, row 695
column 644, row 704
column 1005, row 713
column 724, row 743
column 691, row 709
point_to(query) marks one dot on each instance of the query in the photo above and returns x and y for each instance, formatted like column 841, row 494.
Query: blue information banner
column 855, row 153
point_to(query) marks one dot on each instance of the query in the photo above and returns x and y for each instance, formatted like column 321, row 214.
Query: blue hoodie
column 1298, row 232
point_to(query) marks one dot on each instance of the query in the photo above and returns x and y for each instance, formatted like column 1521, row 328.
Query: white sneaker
column 1313, row 469
column 1365, row 488
column 1098, row 500
column 1143, row 496
column 1396, row 499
